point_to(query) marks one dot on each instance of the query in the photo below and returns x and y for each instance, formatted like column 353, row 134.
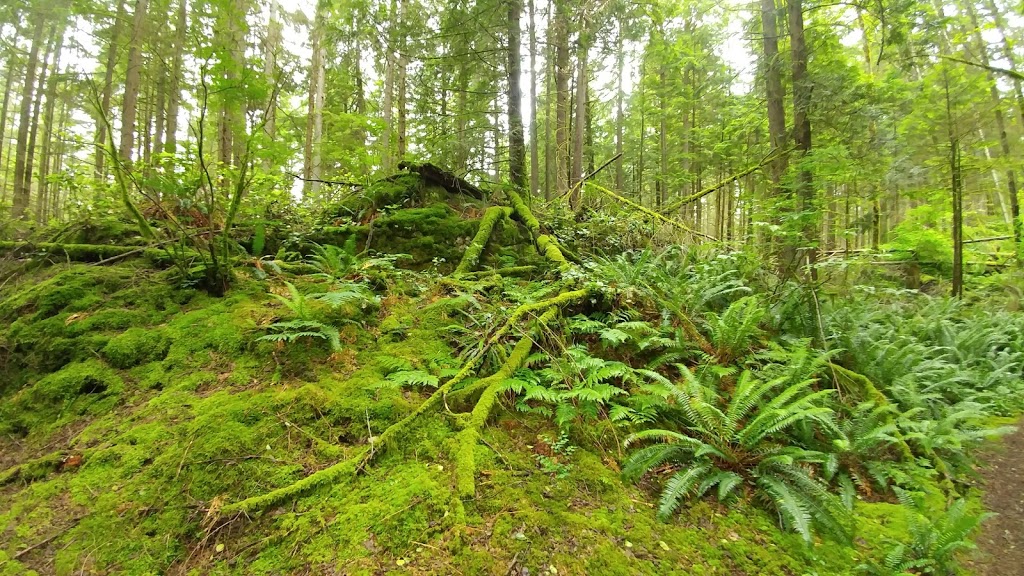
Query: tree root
column 471, row 257
column 465, row 459
column 354, row 464
column 546, row 245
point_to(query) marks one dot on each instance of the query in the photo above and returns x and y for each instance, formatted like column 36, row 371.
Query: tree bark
column 620, row 175
column 314, row 112
column 48, row 135
column 21, row 192
column 8, row 87
column 1004, row 140
column 108, row 87
column 271, row 46
column 805, row 245
column 562, row 71
column 580, row 125
column 174, row 92
column 133, row 81
column 516, row 145
column 534, row 137
column 772, row 69
column 37, row 106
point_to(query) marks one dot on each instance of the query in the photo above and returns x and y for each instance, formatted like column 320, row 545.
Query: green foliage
column 136, row 346
column 935, row 540
column 741, row 442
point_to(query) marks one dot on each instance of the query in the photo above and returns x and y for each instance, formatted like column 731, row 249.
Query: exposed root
column 365, row 455
column 546, row 245
column 471, row 257
column 510, row 271
column 465, row 460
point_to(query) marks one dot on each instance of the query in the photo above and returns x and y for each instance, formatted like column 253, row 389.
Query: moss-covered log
column 77, row 252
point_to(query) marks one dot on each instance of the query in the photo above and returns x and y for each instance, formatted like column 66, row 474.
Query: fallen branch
column 354, row 464
column 546, row 245
column 471, row 257
column 579, row 183
column 651, row 213
column 465, row 458
column 328, row 182
column 698, row 195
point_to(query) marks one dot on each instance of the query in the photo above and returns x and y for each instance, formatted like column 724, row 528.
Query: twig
column 329, row 182
column 74, row 522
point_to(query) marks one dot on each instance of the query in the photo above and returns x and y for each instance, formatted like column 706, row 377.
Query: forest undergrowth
column 529, row 407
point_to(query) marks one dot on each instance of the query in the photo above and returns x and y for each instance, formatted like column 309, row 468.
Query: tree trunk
column 133, row 81
column 270, row 49
column 580, row 125
column 620, row 175
column 314, row 112
column 108, row 87
column 37, row 106
column 171, row 140
column 534, row 138
column 8, row 86
column 389, row 92
column 48, row 135
column 772, row 69
column 21, row 192
column 1004, row 140
column 516, row 145
column 562, row 71
column 805, row 247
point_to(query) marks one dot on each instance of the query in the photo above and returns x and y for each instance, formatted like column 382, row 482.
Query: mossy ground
column 162, row 404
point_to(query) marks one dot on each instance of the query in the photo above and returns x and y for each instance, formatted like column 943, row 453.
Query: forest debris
column 471, row 257
column 443, row 178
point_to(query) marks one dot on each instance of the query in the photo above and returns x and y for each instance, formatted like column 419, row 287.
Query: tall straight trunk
column 772, row 69
column 661, row 184
column 37, row 106
column 389, row 92
column 620, row 175
column 402, row 95
column 8, row 86
column 562, row 71
column 534, row 138
column 270, row 49
column 516, row 145
column 314, row 111
column 58, row 160
column 579, row 128
column 48, row 135
column 807, row 250
column 146, row 146
column 1008, row 54
column 133, row 81
column 1004, row 140
column 21, row 191
column 108, row 88
column 174, row 92
column 549, row 70
column 958, row 218
column 461, row 115
column 643, row 135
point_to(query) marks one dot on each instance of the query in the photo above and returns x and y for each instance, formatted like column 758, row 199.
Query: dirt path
column 1001, row 542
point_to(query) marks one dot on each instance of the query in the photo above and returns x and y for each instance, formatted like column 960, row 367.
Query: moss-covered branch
column 365, row 455
column 546, row 245
column 476, row 248
column 649, row 212
column 77, row 252
column 465, row 459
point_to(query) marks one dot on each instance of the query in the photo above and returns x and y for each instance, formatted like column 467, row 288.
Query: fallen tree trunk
column 443, row 178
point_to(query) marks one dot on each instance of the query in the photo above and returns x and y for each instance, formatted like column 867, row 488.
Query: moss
column 491, row 218
column 136, row 346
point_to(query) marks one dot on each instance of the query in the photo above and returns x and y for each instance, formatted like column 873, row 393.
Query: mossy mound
column 413, row 215
column 171, row 407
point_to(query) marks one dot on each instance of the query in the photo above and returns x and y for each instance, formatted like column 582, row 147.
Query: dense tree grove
column 511, row 287
column 853, row 109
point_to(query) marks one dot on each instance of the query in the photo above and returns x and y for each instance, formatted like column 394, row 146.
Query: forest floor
column 1001, row 541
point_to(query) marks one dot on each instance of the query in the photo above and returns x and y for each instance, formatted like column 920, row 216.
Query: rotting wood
column 443, row 178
